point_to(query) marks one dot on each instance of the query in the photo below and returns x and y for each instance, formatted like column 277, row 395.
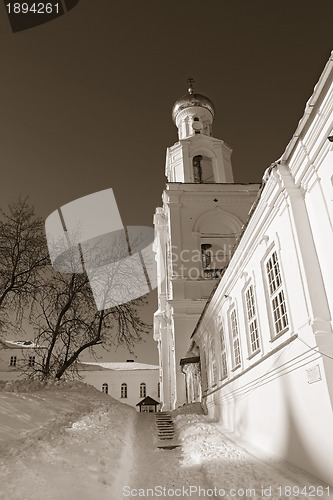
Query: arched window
column 105, row 388
column 142, row 390
column 203, row 170
column 123, row 391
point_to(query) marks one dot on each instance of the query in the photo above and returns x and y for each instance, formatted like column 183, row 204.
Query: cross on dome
column 190, row 82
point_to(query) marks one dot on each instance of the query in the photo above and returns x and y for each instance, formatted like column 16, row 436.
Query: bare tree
column 23, row 253
column 65, row 314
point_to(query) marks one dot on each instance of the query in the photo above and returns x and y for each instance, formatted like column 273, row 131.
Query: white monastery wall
column 133, row 379
column 279, row 395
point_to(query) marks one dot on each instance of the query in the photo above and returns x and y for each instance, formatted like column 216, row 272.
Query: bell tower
column 197, row 157
column 201, row 217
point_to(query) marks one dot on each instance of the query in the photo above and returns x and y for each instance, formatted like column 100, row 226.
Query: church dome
column 189, row 100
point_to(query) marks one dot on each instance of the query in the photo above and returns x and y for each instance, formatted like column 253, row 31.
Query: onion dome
column 190, row 100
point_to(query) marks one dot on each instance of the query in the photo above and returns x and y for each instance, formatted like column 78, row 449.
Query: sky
column 87, row 98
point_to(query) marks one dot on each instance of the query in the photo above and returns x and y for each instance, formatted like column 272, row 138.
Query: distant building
column 128, row 382
column 249, row 332
column 18, row 358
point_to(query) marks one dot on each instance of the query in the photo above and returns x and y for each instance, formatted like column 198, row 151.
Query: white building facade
column 265, row 338
column 19, row 358
column 127, row 382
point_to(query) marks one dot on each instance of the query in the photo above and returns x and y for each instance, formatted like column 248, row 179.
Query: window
column 210, row 257
column 12, row 361
column 105, row 388
column 252, row 320
column 31, row 361
column 202, row 170
column 142, row 390
column 213, row 362
column 159, row 390
column 123, row 391
column 197, row 129
column 276, row 294
column 224, row 366
column 206, row 255
column 235, row 337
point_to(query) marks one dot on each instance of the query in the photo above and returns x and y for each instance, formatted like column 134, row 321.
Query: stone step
column 165, row 431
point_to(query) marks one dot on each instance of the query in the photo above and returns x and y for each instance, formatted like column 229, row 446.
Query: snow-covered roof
column 20, row 344
column 115, row 365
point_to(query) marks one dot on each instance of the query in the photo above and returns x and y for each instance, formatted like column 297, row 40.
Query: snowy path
column 72, row 442
column 237, row 473
column 153, row 467
column 209, row 460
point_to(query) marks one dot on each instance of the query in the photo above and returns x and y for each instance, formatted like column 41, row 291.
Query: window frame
column 224, row 372
column 250, row 320
column 213, row 368
column 13, row 361
column 236, row 361
column 143, row 390
column 275, row 288
column 123, row 391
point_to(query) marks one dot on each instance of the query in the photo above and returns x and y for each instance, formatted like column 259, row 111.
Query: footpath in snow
column 68, row 441
column 210, row 465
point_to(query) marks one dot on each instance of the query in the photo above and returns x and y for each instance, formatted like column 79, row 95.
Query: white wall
column 133, row 378
column 8, row 372
column 281, row 397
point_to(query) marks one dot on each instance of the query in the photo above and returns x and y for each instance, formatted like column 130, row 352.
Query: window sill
column 278, row 335
column 236, row 367
column 254, row 354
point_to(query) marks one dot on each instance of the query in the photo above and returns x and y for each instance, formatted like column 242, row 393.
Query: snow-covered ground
column 68, row 441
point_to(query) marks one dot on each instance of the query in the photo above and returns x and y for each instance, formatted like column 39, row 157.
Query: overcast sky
column 86, row 99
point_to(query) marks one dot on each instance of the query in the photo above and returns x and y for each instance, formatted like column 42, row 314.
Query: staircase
column 165, row 431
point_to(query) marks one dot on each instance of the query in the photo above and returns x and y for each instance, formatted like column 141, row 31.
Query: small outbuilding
column 148, row 404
